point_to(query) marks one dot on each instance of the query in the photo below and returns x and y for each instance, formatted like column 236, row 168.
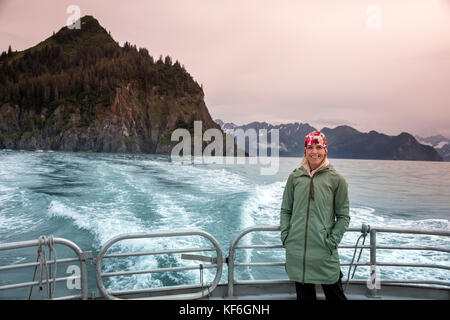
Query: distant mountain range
column 345, row 142
column 440, row 143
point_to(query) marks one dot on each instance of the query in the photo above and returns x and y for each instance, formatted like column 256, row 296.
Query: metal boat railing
column 372, row 263
column 82, row 257
column 216, row 263
column 205, row 289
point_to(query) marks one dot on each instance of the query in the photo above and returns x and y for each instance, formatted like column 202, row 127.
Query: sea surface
column 89, row 198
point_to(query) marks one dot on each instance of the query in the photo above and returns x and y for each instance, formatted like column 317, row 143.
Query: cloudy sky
column 372, row 64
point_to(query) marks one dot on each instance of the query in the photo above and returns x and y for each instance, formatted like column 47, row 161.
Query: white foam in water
column 261, row 208
column 10, row 221
column 5, row 189
column 14, row 223
column 57, row 209
column 203, row 175
column 366, row 215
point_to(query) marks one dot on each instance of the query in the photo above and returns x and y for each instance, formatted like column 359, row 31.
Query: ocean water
column 89, row 198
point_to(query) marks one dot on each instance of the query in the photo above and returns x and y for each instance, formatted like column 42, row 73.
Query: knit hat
column 316, row 137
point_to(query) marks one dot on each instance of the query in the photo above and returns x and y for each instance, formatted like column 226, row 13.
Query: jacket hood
column 300, row 171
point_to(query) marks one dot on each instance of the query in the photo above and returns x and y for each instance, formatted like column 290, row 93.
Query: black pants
column 333, row 292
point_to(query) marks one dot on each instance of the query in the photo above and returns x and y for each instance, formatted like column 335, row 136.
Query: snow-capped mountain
column 439, row 142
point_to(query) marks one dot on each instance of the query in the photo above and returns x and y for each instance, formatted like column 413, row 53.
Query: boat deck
column 285, row 290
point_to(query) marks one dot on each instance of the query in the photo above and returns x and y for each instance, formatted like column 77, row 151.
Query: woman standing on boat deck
column 314, row 216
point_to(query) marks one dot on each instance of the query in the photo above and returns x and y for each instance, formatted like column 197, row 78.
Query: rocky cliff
column 80, row 91
column 127, row 126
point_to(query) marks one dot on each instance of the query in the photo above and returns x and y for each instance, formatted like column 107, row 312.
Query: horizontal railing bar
column 198, row 257
column 260, row 264
column 120, row 255
column 414, row 248
column 445, row 283
column 273, row 281
column 68, row 297
column 389, row 264
column 411, row 231
column 161, row 289
column 18, row 245
column 128, row 273
column 396, row 248
column 259, row 247
column 36, row 283
column 355, row 281
column 353, row 229
column 386, row 264
column 349, row 246
column 399, row 230
column 35, row 243
column 352, row 247
column 407, row 283
column 363, row 264
column 34, row 264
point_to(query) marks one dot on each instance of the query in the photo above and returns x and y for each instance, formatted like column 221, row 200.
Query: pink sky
column 283, row 60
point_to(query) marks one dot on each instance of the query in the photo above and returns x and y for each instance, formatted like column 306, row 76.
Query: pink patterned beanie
column 316, row 137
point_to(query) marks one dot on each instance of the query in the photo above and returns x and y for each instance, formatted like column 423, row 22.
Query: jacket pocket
column 324, row 234
column 283, row 241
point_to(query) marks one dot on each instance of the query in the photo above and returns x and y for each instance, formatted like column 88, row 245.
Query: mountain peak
column 89, row 19
column 87, row 23
column 342, row 130
column 90, row 34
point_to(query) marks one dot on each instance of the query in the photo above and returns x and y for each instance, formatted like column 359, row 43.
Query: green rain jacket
column 314, row 216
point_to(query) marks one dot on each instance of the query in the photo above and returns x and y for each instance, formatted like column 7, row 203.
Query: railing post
column 372, row 282
column 84, row 256
column 230, row 261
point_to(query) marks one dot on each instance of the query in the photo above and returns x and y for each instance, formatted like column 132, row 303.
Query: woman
column 314, row 216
